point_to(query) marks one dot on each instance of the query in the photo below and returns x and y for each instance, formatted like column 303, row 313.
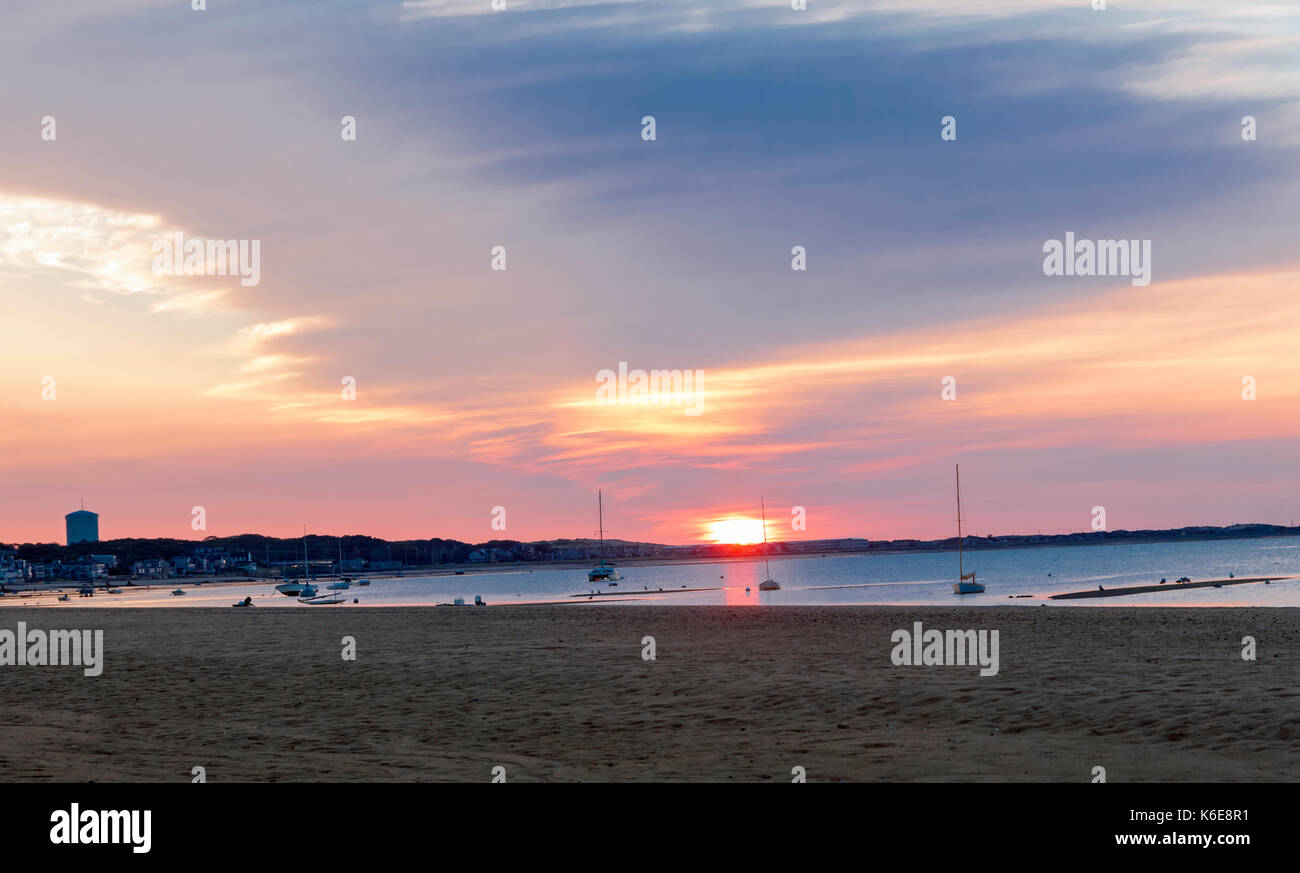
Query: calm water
column 909, row 579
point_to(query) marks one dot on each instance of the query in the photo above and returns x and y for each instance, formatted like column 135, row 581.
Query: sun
column 736, row 529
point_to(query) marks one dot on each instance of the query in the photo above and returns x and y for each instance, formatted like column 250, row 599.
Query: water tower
column 83, row 526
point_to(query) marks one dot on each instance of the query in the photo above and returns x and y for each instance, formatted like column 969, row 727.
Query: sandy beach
column 734, row 694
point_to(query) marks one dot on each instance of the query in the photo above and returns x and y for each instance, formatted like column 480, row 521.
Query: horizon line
column 1291, row 528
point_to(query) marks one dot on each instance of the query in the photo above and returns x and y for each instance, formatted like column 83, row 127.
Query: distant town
column 87, row 559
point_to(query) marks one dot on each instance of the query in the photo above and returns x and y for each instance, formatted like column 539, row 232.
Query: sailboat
column 300, row 589
column 768, row 584
column 966, row 583
column 602, row 572
column 344, row 582
column 323, row 600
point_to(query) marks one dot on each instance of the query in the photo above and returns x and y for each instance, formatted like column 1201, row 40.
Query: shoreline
column 521, row 567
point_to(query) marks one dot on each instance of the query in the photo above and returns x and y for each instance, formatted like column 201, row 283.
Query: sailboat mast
column 600, row 511
column 960, row 571
column 763, row 510
column 306, row 567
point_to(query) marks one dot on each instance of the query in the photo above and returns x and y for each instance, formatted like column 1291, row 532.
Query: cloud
column 417, row 10
column 1130, row 368
column 256, row 335
column 97, row 249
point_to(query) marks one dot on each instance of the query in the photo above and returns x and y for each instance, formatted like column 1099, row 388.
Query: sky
column 922, row 333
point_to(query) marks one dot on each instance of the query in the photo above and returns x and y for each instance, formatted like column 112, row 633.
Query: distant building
column 83, row 526
column 841, row 545
column 154, row 567
column 13, row 569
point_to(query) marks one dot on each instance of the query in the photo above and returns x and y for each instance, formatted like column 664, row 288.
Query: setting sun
column 736, row 529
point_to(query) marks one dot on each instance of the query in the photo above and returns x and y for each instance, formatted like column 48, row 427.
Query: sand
column 561, row 693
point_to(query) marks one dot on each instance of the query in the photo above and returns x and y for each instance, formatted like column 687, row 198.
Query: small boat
column 324, row 600
column 178, row 591
column 115, row 591
column 965, row 583
column 247, row 601
column 362, row 582
column 64, row 597
column 295, row 588
column 338, row 586
column 768, row 584
column 602, row 572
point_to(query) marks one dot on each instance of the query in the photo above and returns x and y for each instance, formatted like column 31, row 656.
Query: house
column 84, row 570
column 152, row 568
column 13, row 569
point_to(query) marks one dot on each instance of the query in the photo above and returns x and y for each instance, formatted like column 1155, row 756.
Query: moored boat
column 323, row 600
column 965, row 583
column 296, row 588
column 602, row 572
column 768, row 584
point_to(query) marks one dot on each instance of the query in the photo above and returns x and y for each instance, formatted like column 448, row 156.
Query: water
column 904, row 579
